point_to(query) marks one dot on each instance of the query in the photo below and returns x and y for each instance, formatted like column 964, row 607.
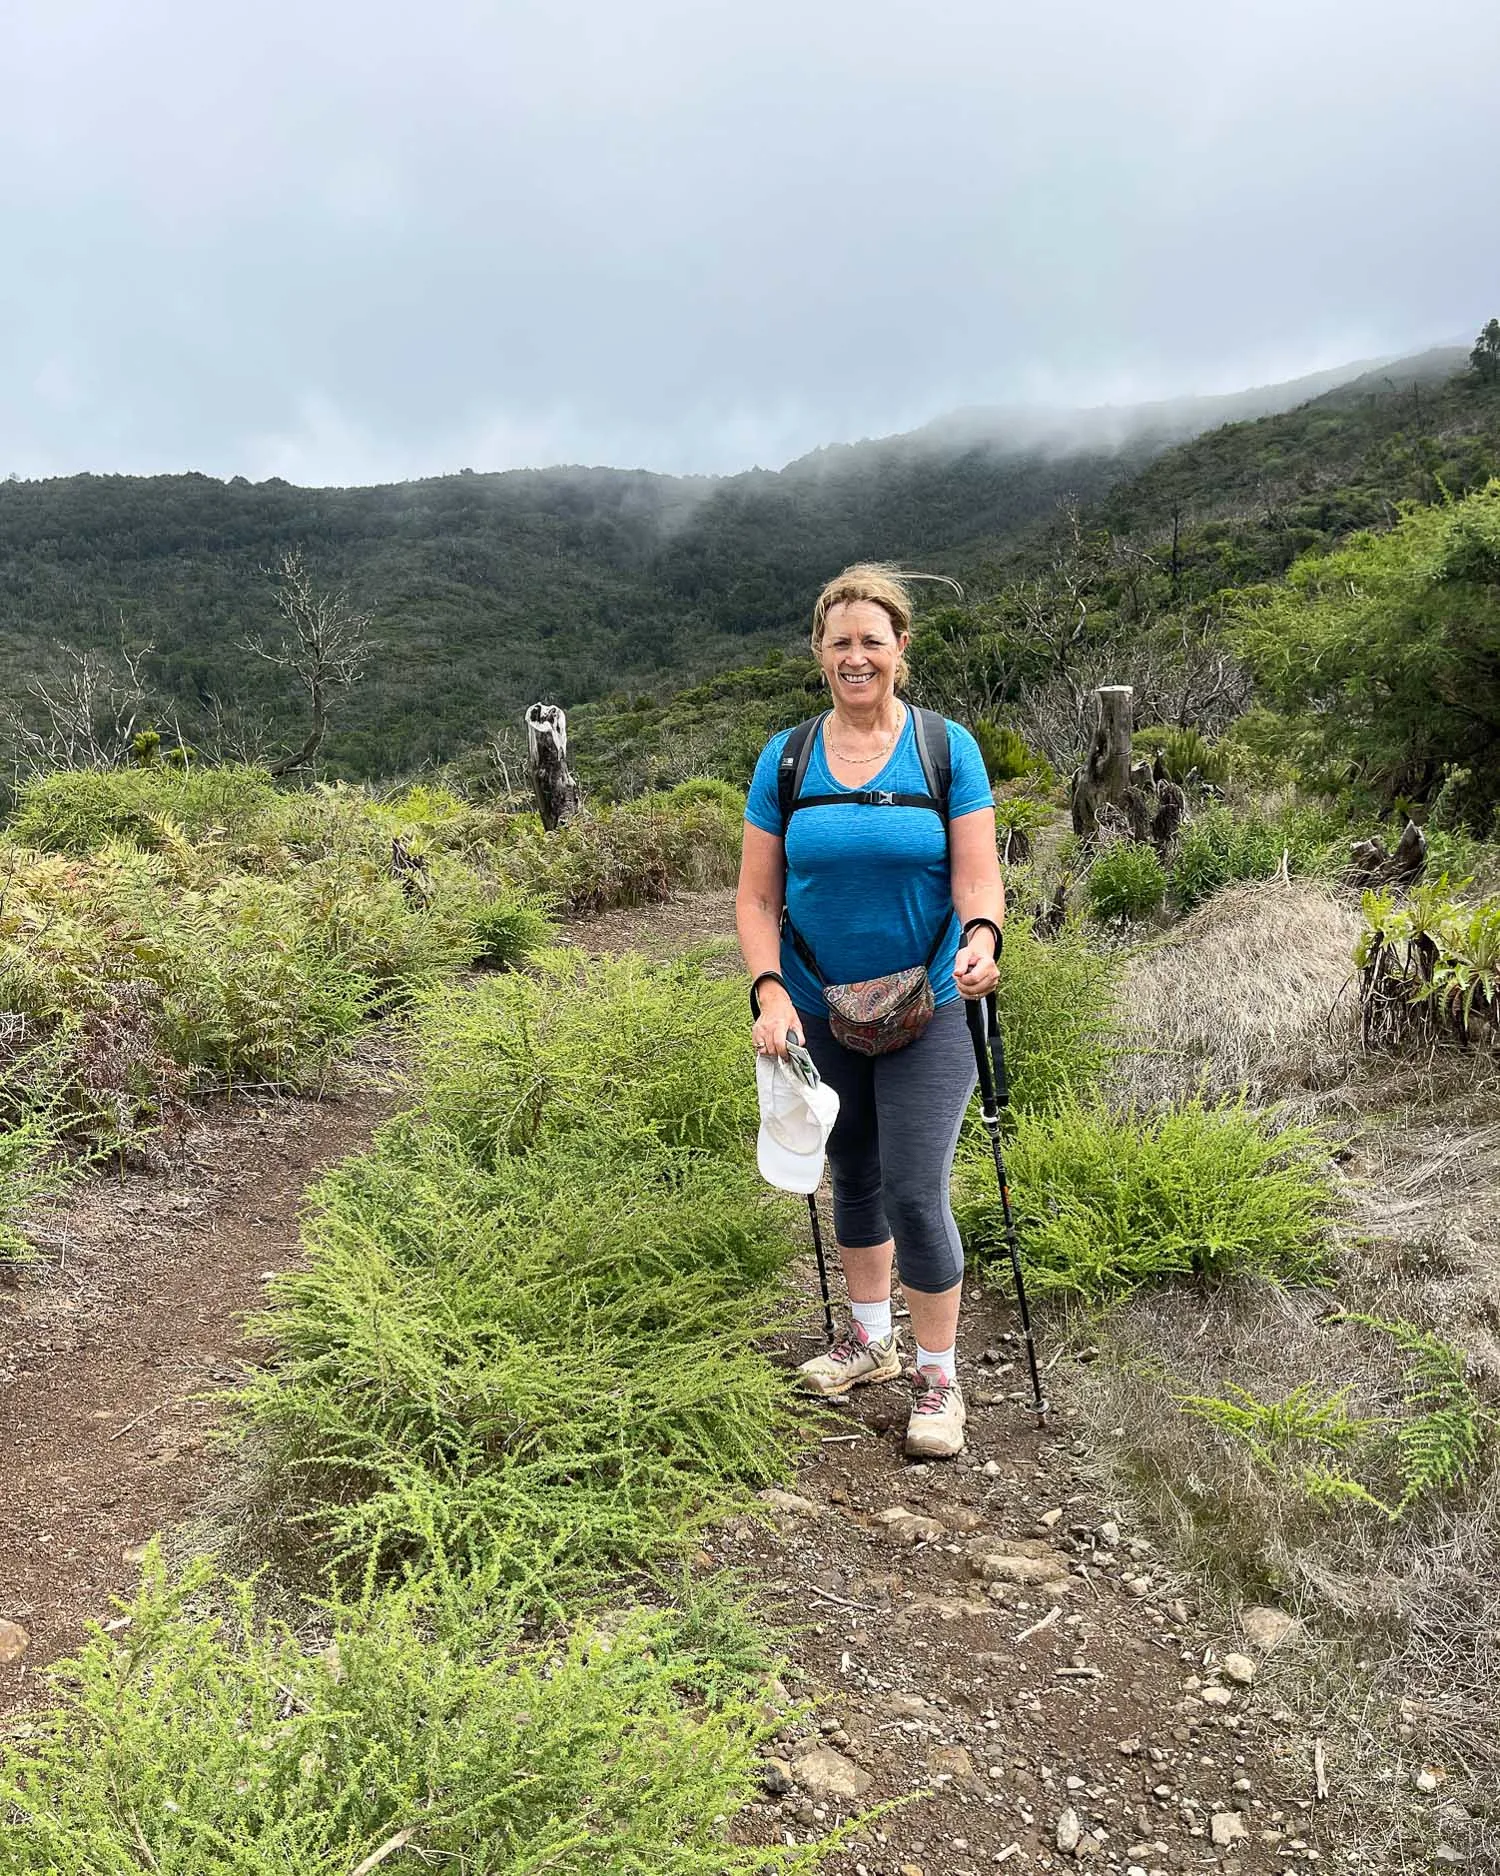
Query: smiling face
column 861, row 654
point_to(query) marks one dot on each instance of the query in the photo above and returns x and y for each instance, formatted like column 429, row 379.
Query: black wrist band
column 990, row 924
column 766, row 977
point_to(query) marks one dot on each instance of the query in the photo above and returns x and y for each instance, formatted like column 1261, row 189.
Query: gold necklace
column 880, row 754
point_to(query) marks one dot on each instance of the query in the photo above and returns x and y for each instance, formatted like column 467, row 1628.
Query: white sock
column 943, row 1359
column 873, row 1318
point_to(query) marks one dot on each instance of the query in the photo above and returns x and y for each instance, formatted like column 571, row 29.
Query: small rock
column 910, row 1527
column 776, row 1776
column 14, row 1641
column 1129, row 1748
column 1050, row 1520
column 953, row 1761
column 1215, row 1696
column 1109, row 1533
column 1429, row 1778
column 1446, row 1857
column 1267, row 1628
column 1069, row 1832
column 1226, row 1827
column 791, row 1504
column 1240, row 1669
column 992, row 1469
column 824, row 1771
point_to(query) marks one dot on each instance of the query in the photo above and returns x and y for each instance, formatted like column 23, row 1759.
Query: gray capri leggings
column 892, row 1146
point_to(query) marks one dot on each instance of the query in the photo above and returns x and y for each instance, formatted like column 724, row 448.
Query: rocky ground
column 990, row 1648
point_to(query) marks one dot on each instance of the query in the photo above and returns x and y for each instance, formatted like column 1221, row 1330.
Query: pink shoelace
column 935, row 1399
column 847, row 1348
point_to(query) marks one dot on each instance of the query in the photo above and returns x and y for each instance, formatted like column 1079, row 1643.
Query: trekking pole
column 994, row 1090
column 817, row 1231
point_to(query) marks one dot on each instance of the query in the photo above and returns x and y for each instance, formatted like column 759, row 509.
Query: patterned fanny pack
column 882, row 1014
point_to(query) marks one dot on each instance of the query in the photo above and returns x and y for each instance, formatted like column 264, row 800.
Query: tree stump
column 1105, row 775
column 557, row 793
column 1372, row 864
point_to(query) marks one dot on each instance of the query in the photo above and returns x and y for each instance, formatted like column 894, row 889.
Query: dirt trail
column 1070, row 1693
column 112, row 1347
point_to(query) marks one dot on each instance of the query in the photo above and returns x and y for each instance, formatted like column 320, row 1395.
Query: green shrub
column 636, row 854
column 204, row 1741
column 509, row 929
column 1221, row 847
column 1106, row 1203
column 613, row 1049
column 1182, row 751
column 1004, row 750
column 525, row 1333
column 1056, row 1005
column 1387, row 1461
column 1429, row 969
column 79, row 811
column 1126, row 880
column 30, row 1165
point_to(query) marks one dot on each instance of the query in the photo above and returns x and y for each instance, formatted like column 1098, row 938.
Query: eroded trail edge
column 113, row 1347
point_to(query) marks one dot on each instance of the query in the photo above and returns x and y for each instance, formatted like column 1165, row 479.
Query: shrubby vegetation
column 1385, row 656
column 525, row 1336
column 209, row 1741
column 1107, row 1203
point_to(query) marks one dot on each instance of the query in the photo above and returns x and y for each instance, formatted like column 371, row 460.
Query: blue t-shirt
column 868, row 888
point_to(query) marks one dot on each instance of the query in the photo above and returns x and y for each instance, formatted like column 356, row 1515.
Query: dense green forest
column 487, row 591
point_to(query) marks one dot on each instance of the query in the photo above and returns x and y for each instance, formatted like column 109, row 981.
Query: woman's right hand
column 778, row 1019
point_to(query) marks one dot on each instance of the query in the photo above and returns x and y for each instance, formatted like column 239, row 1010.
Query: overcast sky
column 347, row 241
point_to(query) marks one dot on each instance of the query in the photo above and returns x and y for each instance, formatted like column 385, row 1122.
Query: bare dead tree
column 324, row 647
column 557, row 793
column 84, row 714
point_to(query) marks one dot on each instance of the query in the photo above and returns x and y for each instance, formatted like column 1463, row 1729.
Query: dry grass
column 1252, row 992
column 1399, row 1664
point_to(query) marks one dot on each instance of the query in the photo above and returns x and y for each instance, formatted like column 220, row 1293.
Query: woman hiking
column 869, row 905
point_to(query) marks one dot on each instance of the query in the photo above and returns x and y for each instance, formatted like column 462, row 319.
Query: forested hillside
column 1147, row 584
column 486, row 591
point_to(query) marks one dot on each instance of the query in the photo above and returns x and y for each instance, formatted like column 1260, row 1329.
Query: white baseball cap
column 797, row 1112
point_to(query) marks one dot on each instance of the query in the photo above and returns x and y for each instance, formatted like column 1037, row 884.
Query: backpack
column 931, row 730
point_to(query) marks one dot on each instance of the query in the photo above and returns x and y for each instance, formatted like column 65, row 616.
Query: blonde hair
column 881, row 585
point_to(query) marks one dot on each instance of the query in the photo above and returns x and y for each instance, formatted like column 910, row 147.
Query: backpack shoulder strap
column 796, row 753
column 931, row 730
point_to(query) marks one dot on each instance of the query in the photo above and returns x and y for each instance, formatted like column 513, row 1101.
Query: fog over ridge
column 352, row 243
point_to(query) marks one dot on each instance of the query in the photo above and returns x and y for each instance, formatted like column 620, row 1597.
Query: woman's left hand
column 974, row 969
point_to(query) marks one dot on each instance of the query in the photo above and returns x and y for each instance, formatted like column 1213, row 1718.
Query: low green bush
column 1107, row 1203
column 1126, row 880
column 1057, row 1016
column 525, row 1332
column 1220, row 847
column 78, row 811
column 611, row 1049
column 636, row 854
column 1183, row 751
column 1005, row 751
column 1428, row 1444
column 31, row 1166
column 205, row 1741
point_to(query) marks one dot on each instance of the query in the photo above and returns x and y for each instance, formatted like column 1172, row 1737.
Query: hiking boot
column 936, row 1427
column 853, row 1360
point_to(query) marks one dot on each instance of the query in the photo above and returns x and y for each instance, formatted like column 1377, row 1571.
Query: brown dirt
column 922, row 1681
column 113, row 1345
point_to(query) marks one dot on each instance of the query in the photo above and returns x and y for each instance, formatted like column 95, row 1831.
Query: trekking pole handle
column 989, row 1053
